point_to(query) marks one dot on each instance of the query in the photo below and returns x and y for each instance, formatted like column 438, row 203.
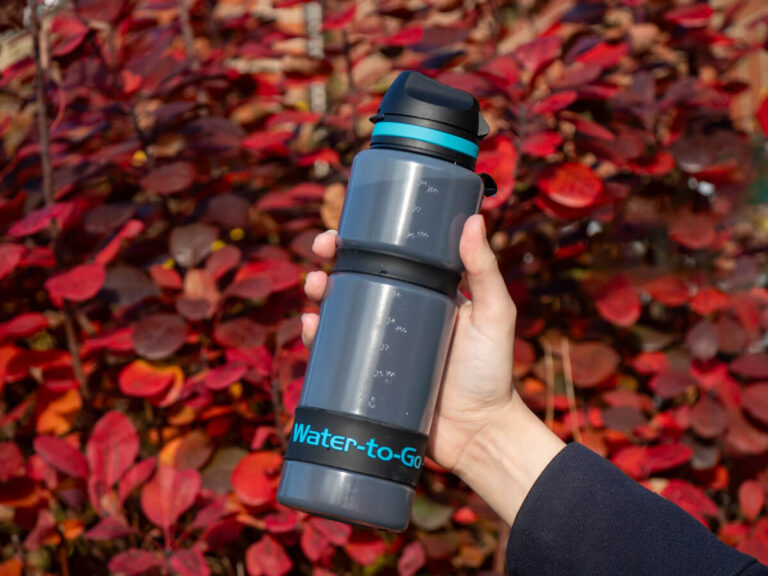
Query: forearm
column 504, row 460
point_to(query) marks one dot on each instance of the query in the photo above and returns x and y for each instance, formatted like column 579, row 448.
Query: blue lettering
column 313, row 438
column 300, row 432
column 337, row 442
column 384, row 453
column 371, row 444
column 326, row 435
column 348, row 442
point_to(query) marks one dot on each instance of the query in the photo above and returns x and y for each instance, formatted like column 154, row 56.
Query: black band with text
column 357, row 444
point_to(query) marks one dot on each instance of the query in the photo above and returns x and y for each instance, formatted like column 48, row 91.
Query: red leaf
column 465, row 515
column 742, row 439
column 112, row 447
column 133, row 562
column 708, row 418
column 68, row 33
column 640, row 462
column 693, row 16
column 23, row 326
column 762, row 115
column 158, row 336
column 281, row 274
column 109, row 528
column 45, row 527
column 134, row 478
column 751, row 366
column 498, row 157
column 165, row 277
column 190, row 244
column 572, row 184
column 39, row 219
column 79, row 284
column 660, row 164
column 240, row 333
column 365, row 548
column 751, row 499
column 694, row 231
column 542, row 144
column 117, row 341
column 251, row 288
column 224, row 376
column 189, row 562
column 337, row 533
column 670, row 383
column 61, row 455
column 267, row 558
column 11, row 461
column 169, row 179
column 650, row 362
column 405, row 37
column 709, row 300
column 690, row 498
column 555, row 102
column 669, row 290
column 754, row 400
column 169, row 494
column 411, row 560
column 131, row 229
column 538, row 52
column 252, row 477
column 703, row 340
column 314, row 543
column 589, row 128
column 283, row 520
column 604, row 55
column 619, row 303
column 269, row 142
column 222, row 261
column 592, row 363
column 339, row 19
column 10, row 256
column 143, row 380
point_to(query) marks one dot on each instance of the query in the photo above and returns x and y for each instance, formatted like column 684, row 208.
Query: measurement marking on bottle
column 430, row 188
column 382, row 373
column 390, row 320
column 418, row 235
column 401, row 329
column 384, row 347
column 417, row 210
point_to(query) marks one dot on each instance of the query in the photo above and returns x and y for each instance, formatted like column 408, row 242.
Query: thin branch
column 277, row 409
column 42, row 110
column 549, row 371
column 46, row 167
column 351, row 90
column 569, row 389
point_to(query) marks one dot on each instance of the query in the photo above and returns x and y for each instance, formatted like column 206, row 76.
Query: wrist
column 504, row 459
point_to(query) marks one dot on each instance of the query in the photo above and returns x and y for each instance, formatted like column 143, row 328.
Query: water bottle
column 358, row 442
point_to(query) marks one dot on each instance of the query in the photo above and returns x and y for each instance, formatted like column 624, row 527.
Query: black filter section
column 357, row 444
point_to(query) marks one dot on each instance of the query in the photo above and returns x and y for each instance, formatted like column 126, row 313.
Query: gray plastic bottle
column 358, row 442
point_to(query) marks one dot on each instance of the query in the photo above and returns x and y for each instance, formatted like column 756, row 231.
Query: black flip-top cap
column 418, row 100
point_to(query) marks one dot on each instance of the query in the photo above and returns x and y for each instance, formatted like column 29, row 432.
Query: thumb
column 491, row 302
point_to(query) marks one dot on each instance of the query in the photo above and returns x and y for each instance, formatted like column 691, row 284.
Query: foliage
column 156, row 226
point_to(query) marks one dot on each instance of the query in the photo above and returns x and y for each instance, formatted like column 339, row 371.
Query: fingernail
column 304, row 317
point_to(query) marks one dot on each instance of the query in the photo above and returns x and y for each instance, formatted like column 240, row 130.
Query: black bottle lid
column 422, row 115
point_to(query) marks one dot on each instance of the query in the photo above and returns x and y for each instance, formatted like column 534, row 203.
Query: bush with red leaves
column 165, row 167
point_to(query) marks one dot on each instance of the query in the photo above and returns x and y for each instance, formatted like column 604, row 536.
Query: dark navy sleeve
column 585, row 517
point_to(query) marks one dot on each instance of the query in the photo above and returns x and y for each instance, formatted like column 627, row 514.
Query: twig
column 46, row 167
column 63, row 559
column 42, row 110
column 549, row 370
column 569, row 390
column 277, row 409
column 351, row 90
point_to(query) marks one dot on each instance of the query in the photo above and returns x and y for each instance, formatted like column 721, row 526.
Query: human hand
column 478, row 416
